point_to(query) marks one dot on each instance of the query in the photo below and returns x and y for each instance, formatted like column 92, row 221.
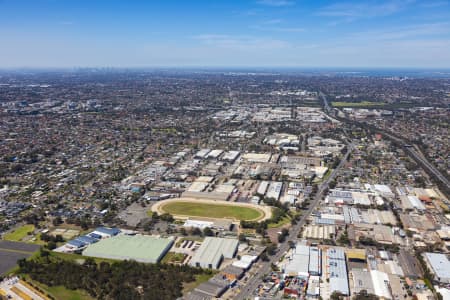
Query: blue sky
column 259, row 33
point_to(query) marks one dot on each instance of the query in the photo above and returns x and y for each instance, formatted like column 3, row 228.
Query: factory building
column 380, row 281
column 299, row 263
column 212, row 251
column 315, row 261
column 141, row 248
column 337, row 271
column 439, row 265
column 262, row 188
column 230, row 156
column 274, row 190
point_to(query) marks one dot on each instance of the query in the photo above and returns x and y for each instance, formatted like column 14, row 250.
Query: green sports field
column 212, row 210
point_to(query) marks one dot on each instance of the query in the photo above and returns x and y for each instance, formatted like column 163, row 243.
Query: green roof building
column 141, row 248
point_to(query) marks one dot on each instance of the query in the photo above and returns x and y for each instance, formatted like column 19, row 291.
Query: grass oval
column 212, row 210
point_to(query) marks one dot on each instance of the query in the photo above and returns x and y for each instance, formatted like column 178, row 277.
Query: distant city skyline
column 259, row 33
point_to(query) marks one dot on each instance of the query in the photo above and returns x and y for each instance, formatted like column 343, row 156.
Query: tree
column 336, row 295
column 208, row 232
column 242, row 238
column 51, row 245
column 148, row 226
column 167, row 217
column 196, row 231
column 264, row 257
column 271, row 249
column 364, row 295
column 118, row 280
column 59, row 238
column 57, row 221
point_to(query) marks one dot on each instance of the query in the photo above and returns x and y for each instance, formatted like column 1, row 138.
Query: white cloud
column 352, row 11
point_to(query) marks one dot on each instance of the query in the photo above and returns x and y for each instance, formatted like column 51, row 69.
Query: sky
column 224, row 33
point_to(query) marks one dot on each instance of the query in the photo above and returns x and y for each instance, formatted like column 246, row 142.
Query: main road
column 253, row 282
column 413, row 151
column 419, row 157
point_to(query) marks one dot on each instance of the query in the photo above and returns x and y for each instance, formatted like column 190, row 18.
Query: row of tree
column 118, row 280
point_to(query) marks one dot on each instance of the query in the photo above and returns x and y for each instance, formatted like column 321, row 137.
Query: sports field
column 199, row 209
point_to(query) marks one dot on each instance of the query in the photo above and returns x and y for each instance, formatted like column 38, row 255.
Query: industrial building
column 274, row 190
column 439, row 265
column 197, row 224
column 141, row 248
column 230, row 156
column 257, row 157
column 219, row 224
column 262, row 188
column 212, row 251
column 245, row 262
column 315, row 261
column 313, row 286
column 202, row 153
column 104, row 232
column 411, row 202
column 362, row 281
column 232, row 272
column 337, row 271
column 214, row 154
column 351, row 215
column 213, row 288
column 380, row 281
column 299, row 263
column 319, row 232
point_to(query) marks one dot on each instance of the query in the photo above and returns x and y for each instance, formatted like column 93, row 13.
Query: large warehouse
column 440, row 266
column 141, row 248
column 337, row 271
column 212, row 251
column 298, row 265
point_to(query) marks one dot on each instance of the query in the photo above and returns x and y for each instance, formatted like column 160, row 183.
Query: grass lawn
column 19, row 233
column 172, row 257
column 284, row 221
column 212, row 210
column 187, row 287
column 327, row 174
column 356, row 104
column 60, row 292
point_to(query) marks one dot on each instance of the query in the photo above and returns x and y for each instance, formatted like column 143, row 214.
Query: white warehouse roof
column 440, row 265
column 380, row 281
column 212, row 251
